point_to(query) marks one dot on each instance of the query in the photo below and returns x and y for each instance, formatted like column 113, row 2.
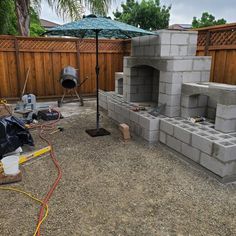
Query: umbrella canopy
column 107, row 28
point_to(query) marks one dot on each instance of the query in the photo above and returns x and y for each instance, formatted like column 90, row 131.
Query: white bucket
column 11, row 165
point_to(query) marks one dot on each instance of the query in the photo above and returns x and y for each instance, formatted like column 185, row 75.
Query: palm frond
column 36, row 5
column 99, row 7
column 67, row 8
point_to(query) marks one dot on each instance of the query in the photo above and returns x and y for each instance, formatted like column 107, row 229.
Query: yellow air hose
column 35, row 199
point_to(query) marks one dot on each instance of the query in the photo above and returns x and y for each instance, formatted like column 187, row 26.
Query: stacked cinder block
column 141, row 123
column 167, row 59
column 215, row 101
column 226, row 118
column 202, row 144
column 168, row 43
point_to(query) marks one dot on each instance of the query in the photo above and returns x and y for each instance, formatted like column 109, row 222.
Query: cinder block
column 200, row 141
column 180, row 39
column 183, row 50
column 212, row 164
column 164, row 36
column 166, row 127
column 191, row 76
column 205, row 76
column 174, row 50
column 135, row 41
column 118, row 108
column 201, row 64
column 162, row 137
column 173, row 143
column 111, row 105
column 217, row 167
column 164, row 50
column 149, row 51
column 144, row 40
column 182, row 134
column 134, row 116
column 190, row 152
column 224, row 125
column 173, row 89
column 172, row 111
column 169, row 100
column 193, row 39
column 192, row 49
column 226, row 112
column 150, row 136
column 189, row 101
column 149, row 122
column 126, row 113
column 180, row 65
column 171, row 77
column 162, row 87
column 224, row 151
column 112, row 114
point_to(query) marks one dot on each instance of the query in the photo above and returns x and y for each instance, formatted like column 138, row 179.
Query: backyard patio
column 114, row 188
column 174, row 176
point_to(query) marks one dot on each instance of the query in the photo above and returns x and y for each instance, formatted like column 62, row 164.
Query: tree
column 65, row 8
column 35, row 26
column 8, row 20
column 206, row 20
column 148, row 14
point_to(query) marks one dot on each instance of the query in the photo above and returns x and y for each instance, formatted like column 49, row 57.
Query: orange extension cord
column 43, row 129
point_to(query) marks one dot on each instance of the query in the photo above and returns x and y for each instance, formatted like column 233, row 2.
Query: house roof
column 48, row 24
column 180, row 27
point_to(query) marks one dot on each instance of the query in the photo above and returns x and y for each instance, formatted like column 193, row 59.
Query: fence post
column 208, row 40
column 17, row 65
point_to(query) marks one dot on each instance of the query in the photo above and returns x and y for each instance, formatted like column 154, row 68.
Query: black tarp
column 13, row 134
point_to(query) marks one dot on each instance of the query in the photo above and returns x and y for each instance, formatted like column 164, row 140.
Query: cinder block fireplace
column 164, row 71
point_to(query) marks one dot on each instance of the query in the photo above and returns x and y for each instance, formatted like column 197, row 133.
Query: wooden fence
column 220, row 43
column 47, row 56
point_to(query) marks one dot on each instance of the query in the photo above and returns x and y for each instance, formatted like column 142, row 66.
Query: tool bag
column 13, row 134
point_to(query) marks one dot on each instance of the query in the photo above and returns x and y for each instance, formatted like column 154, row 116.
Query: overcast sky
column 182, row 10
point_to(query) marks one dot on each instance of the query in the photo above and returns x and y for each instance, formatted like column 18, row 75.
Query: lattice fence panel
column 47, row 45
column 223, row 38
column 7, row 43
column 202, row 37
column 103, row 46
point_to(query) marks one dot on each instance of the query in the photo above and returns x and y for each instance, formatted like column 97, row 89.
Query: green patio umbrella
column 92, row 26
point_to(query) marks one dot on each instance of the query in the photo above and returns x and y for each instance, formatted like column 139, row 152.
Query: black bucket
column 69, row 78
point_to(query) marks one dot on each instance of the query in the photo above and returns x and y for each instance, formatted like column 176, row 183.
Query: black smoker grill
column 70, row 82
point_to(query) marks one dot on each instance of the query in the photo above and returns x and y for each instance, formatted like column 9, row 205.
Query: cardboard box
column 4, row 110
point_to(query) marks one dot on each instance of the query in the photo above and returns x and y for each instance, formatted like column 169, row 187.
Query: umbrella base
column 97, row 132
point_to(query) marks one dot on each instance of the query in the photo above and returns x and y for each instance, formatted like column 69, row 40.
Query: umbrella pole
column 98, row 131
column 97, row 82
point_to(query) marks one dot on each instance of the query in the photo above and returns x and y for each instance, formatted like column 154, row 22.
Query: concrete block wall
column 165, row 43
column 225, row 118
column 141, row 123
column 202, row 144
column 172, row 72
column 209, row 101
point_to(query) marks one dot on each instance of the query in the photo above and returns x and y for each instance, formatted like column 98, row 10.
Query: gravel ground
column 115, row 188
